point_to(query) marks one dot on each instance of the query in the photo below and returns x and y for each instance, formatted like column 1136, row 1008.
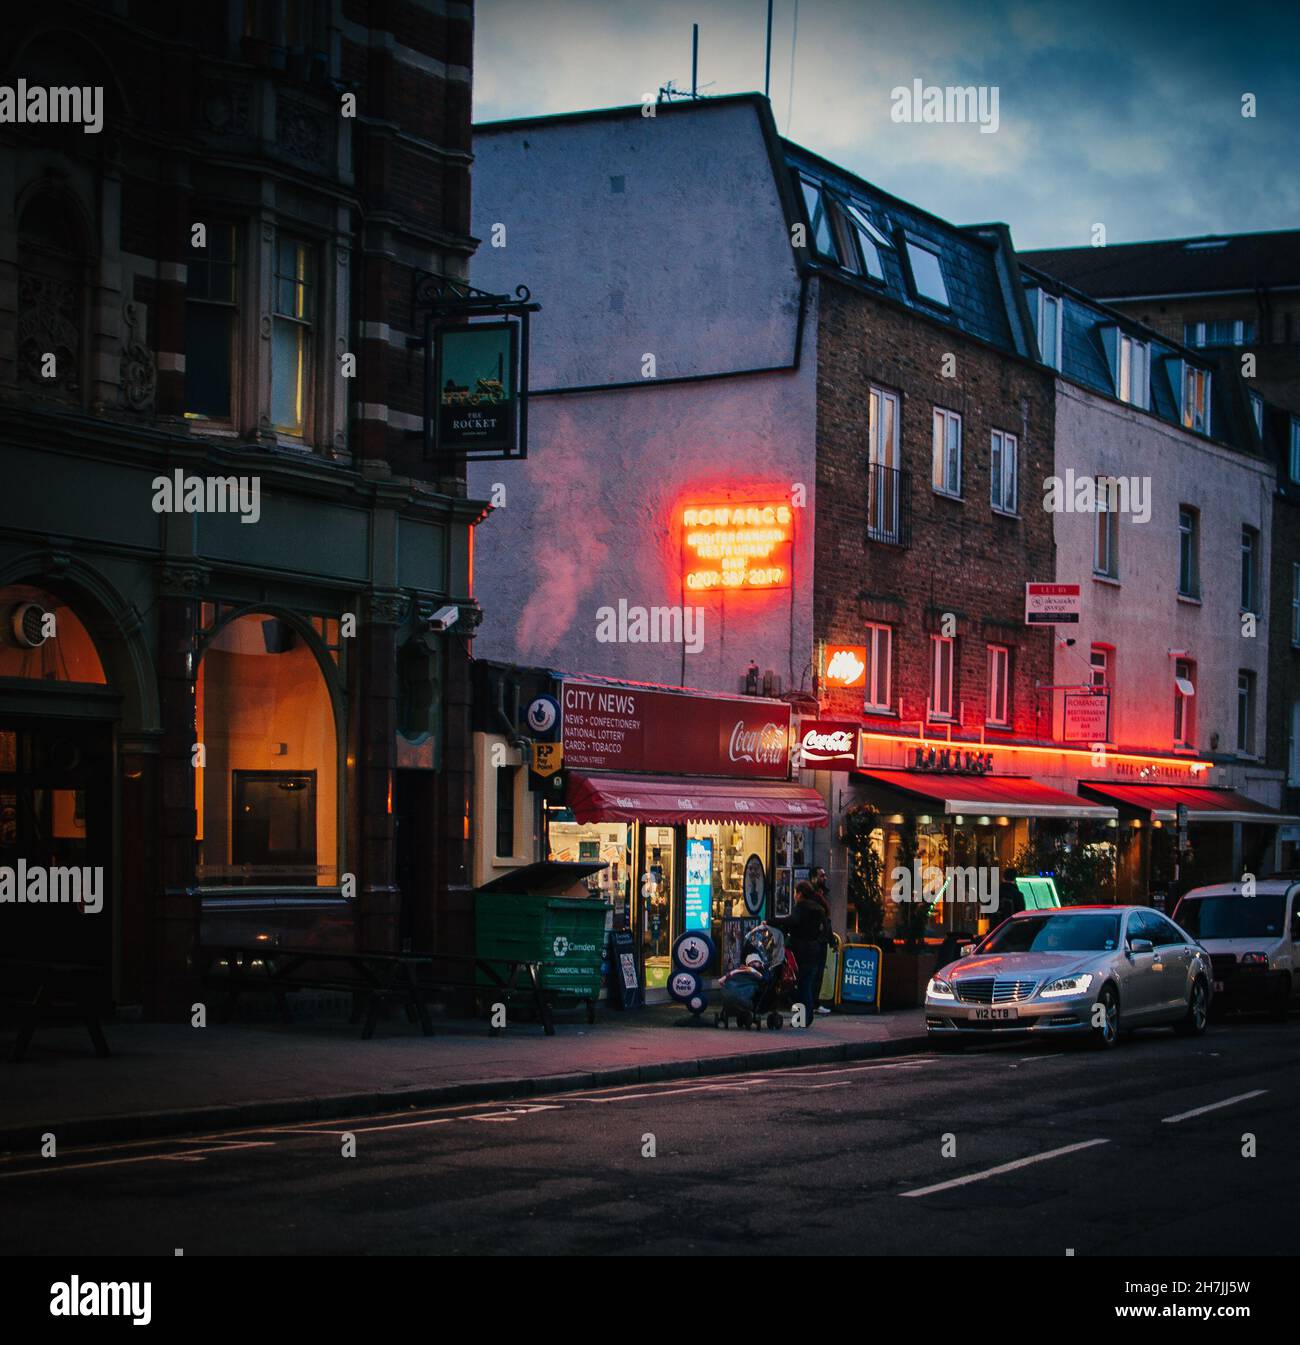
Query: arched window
column 51, row 297
column 43, row 640
column 267, row 785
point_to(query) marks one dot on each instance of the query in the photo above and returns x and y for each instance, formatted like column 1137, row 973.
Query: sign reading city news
column 828, row 747
column 475, row 372
column 1087, row 717
column 608, row 728
column 1052, row 604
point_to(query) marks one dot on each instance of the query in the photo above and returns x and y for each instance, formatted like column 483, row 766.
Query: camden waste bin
column 532, row 915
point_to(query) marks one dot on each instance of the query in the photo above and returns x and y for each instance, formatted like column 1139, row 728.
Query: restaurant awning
column 1204, row 803
column 992, row 795
column 668, row 799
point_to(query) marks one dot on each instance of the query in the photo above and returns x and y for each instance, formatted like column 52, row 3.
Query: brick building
column 205, row 270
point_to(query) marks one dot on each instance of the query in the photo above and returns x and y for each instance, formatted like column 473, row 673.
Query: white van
column 1253, row 941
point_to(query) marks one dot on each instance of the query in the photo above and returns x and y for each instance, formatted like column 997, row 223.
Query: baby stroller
column 755, row 989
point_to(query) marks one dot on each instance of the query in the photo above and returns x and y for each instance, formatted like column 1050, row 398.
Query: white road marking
column 193, row 1155
column 1003, row 1167
column 1214, row 1106
column 1027, row 1059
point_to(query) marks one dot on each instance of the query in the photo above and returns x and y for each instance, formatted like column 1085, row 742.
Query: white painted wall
column 1143, row 616
column 690, row 262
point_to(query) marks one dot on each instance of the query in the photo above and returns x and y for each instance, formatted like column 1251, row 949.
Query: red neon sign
column 732, row 546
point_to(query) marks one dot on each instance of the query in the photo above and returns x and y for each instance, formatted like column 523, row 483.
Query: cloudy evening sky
column 1128, row 114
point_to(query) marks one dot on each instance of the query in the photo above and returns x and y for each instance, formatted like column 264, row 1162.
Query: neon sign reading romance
column 737, row 546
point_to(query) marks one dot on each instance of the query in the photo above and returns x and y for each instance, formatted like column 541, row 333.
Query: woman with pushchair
column 808, row 932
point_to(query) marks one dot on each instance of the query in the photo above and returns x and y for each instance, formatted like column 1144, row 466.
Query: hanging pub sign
column 475, row 371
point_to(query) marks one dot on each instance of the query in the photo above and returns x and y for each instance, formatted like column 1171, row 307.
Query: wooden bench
column 45, row 992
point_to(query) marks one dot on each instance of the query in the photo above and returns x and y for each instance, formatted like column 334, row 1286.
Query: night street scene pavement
column 649, row 630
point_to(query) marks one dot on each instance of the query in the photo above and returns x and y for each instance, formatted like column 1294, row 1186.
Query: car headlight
column 1067, row 985
column 938, row 989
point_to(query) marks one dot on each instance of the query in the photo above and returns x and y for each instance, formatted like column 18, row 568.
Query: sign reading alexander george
column 610, row 728
column 1052, row 604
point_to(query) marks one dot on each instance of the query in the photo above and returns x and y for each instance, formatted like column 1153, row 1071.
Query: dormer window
column 1048, row 319
column 927, row 274
column 869, row 240
column 1134, row 372
column 1196, row 399
column 819, row 220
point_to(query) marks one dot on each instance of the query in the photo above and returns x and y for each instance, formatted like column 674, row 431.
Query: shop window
column 608, row 843
column 1246, row 712
column 942, row 658
column 947, row 452
column 1189, row 563
column 880, row 641
column 212, row 325
column 998, row 711
column 291, row 337
column 727, row 882
column 1003, row 470
column 52, row 257
column 267, row 789
column 1184, row 703
column 43, row 640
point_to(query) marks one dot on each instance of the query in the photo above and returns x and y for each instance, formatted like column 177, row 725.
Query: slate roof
column 1214, row 264
column 968, row 260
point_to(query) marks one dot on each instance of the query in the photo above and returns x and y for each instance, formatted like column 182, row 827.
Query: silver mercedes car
column 1094, row 971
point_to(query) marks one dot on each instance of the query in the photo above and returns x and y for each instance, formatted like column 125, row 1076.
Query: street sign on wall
column 1052, row 604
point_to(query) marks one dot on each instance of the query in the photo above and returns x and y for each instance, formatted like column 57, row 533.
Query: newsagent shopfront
column 687, row 800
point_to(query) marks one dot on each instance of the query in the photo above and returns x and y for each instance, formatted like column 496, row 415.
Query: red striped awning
column 669, row 799
column 1003, row 795
column 1204, row 802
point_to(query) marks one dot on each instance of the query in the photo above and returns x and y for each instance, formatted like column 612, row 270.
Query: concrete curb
column 244, row 1115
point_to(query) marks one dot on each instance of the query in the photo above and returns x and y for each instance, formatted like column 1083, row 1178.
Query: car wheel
column 1106, row 1035
column 1193, row 1022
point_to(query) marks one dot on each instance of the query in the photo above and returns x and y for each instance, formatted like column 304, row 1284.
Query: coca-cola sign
column 623, row 728
column 828, row 747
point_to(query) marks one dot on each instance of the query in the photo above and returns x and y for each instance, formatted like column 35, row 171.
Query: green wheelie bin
column 540, row 913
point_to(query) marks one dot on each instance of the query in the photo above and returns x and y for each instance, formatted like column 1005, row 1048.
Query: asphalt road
column 1138, row 1151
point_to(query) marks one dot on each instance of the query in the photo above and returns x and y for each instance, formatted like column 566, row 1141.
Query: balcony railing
column 889, row 505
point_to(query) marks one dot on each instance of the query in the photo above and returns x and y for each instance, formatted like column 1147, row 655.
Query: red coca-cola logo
column 764, row 745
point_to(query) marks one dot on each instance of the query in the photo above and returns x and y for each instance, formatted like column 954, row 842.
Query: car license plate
column 992, row 1015
column 1218, row 987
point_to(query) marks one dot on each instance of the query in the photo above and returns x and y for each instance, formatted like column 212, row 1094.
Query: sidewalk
column 166, row 1078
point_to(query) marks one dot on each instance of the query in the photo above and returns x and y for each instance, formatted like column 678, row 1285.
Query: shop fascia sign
column 951, row 761
column 736, row 546
column 620, row 728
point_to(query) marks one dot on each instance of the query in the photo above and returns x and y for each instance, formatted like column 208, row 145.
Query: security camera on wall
column 443, row 619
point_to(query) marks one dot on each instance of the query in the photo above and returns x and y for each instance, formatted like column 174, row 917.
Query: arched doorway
column 57, row 712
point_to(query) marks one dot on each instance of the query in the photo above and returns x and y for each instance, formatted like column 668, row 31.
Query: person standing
column 821, row 892
column 808, row 930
